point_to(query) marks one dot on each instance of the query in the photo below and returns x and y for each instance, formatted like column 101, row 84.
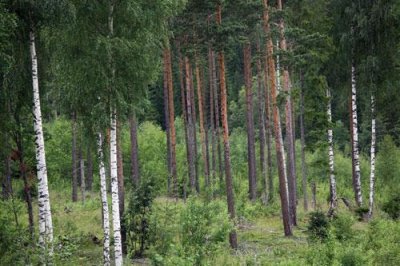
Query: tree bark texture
column 166, row 117
column 277, row 129
column 45, row 219
column 290, row 137
column 373, row 144
column 104, row 202
column 89, row 168
column 251, row 153
column 225, row 128
column 332, row 178
column 356, row 156
column 212, row 120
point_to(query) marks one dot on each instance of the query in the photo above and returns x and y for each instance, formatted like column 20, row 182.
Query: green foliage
column 137, row 217
column 203, row 230
column 318, row 226
column 342, row 227
column 392, row 207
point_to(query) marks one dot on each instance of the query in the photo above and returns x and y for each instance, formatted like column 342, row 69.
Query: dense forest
column 188, row 132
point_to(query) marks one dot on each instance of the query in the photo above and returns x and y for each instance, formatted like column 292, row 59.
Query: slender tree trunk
column 74, row 160
column 121, row 186
column 212, row 120
column 171, row 120
column 373, row 143
column 191, row 129
column 278, row 133
column 303, row 144
column 114, row 190
column 7, row 183
column 204, row 149
column 261, row 125
column 356, row 156
column 332, row 179
column 290, row 137
column 45, row 219
column 268, row 130
column 194, row 117
column 135, row 174
column 83, row 185
column 114, row 155
column 167, row 122
column 225, row 128
column 182, row 79
column 251, row 154
column 89, row 169
column 314, row 195
column 104, row 202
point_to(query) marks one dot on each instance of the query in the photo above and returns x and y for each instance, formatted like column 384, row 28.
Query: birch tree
column 332, row 179
column 372, row 173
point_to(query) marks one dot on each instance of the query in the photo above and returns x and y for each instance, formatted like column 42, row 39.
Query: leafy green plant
column 318, row 226
column 392, row 207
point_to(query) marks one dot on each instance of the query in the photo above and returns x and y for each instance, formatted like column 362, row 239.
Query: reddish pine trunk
column 261, row 125
column 182, row 80
column 225, row 128
column 166, row 117
column 290, row 137
column 251, row 154
column 212, row 118
column 277, row 129
column 194, row 117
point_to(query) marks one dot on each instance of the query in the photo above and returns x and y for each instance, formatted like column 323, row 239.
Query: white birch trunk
column 114, row 190
column 45, row 220
column 278, row 70
column 356, row 156
column 332, row 179
column 83, row 185
column 373, row 143
column 104, row 202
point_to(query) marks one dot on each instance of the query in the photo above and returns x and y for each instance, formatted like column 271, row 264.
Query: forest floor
column 78, row 235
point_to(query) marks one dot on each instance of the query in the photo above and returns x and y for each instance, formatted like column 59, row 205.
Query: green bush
column 318, row 226
column 341, row 227
column 392, row 207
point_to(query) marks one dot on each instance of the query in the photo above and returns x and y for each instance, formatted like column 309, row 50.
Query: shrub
column 392, row 207
column 318, row 226
column 341, row 227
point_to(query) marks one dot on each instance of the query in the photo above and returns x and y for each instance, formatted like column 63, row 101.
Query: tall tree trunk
column 356, row 156
column 121, row 186
column 74, row 160
column 7, row 189
column 332, row 179
column 277, row 129
column 135, row 174
column 268, row 130
column 114, row 190
column 167, row 122
column 182, row 79
column 83, row 184
column 217, row 118
column 251, row 153
column 212, row 120
column 89, row 169
column 104, row 202
column 171, row 120
column 204, row 148
column 225, row 128
column 194, row 117
column 261, row 126
column 190, row 128
column 115, row 196
column 45, row 219
column 290, row 137
column 303, row 144
column 372, row 174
